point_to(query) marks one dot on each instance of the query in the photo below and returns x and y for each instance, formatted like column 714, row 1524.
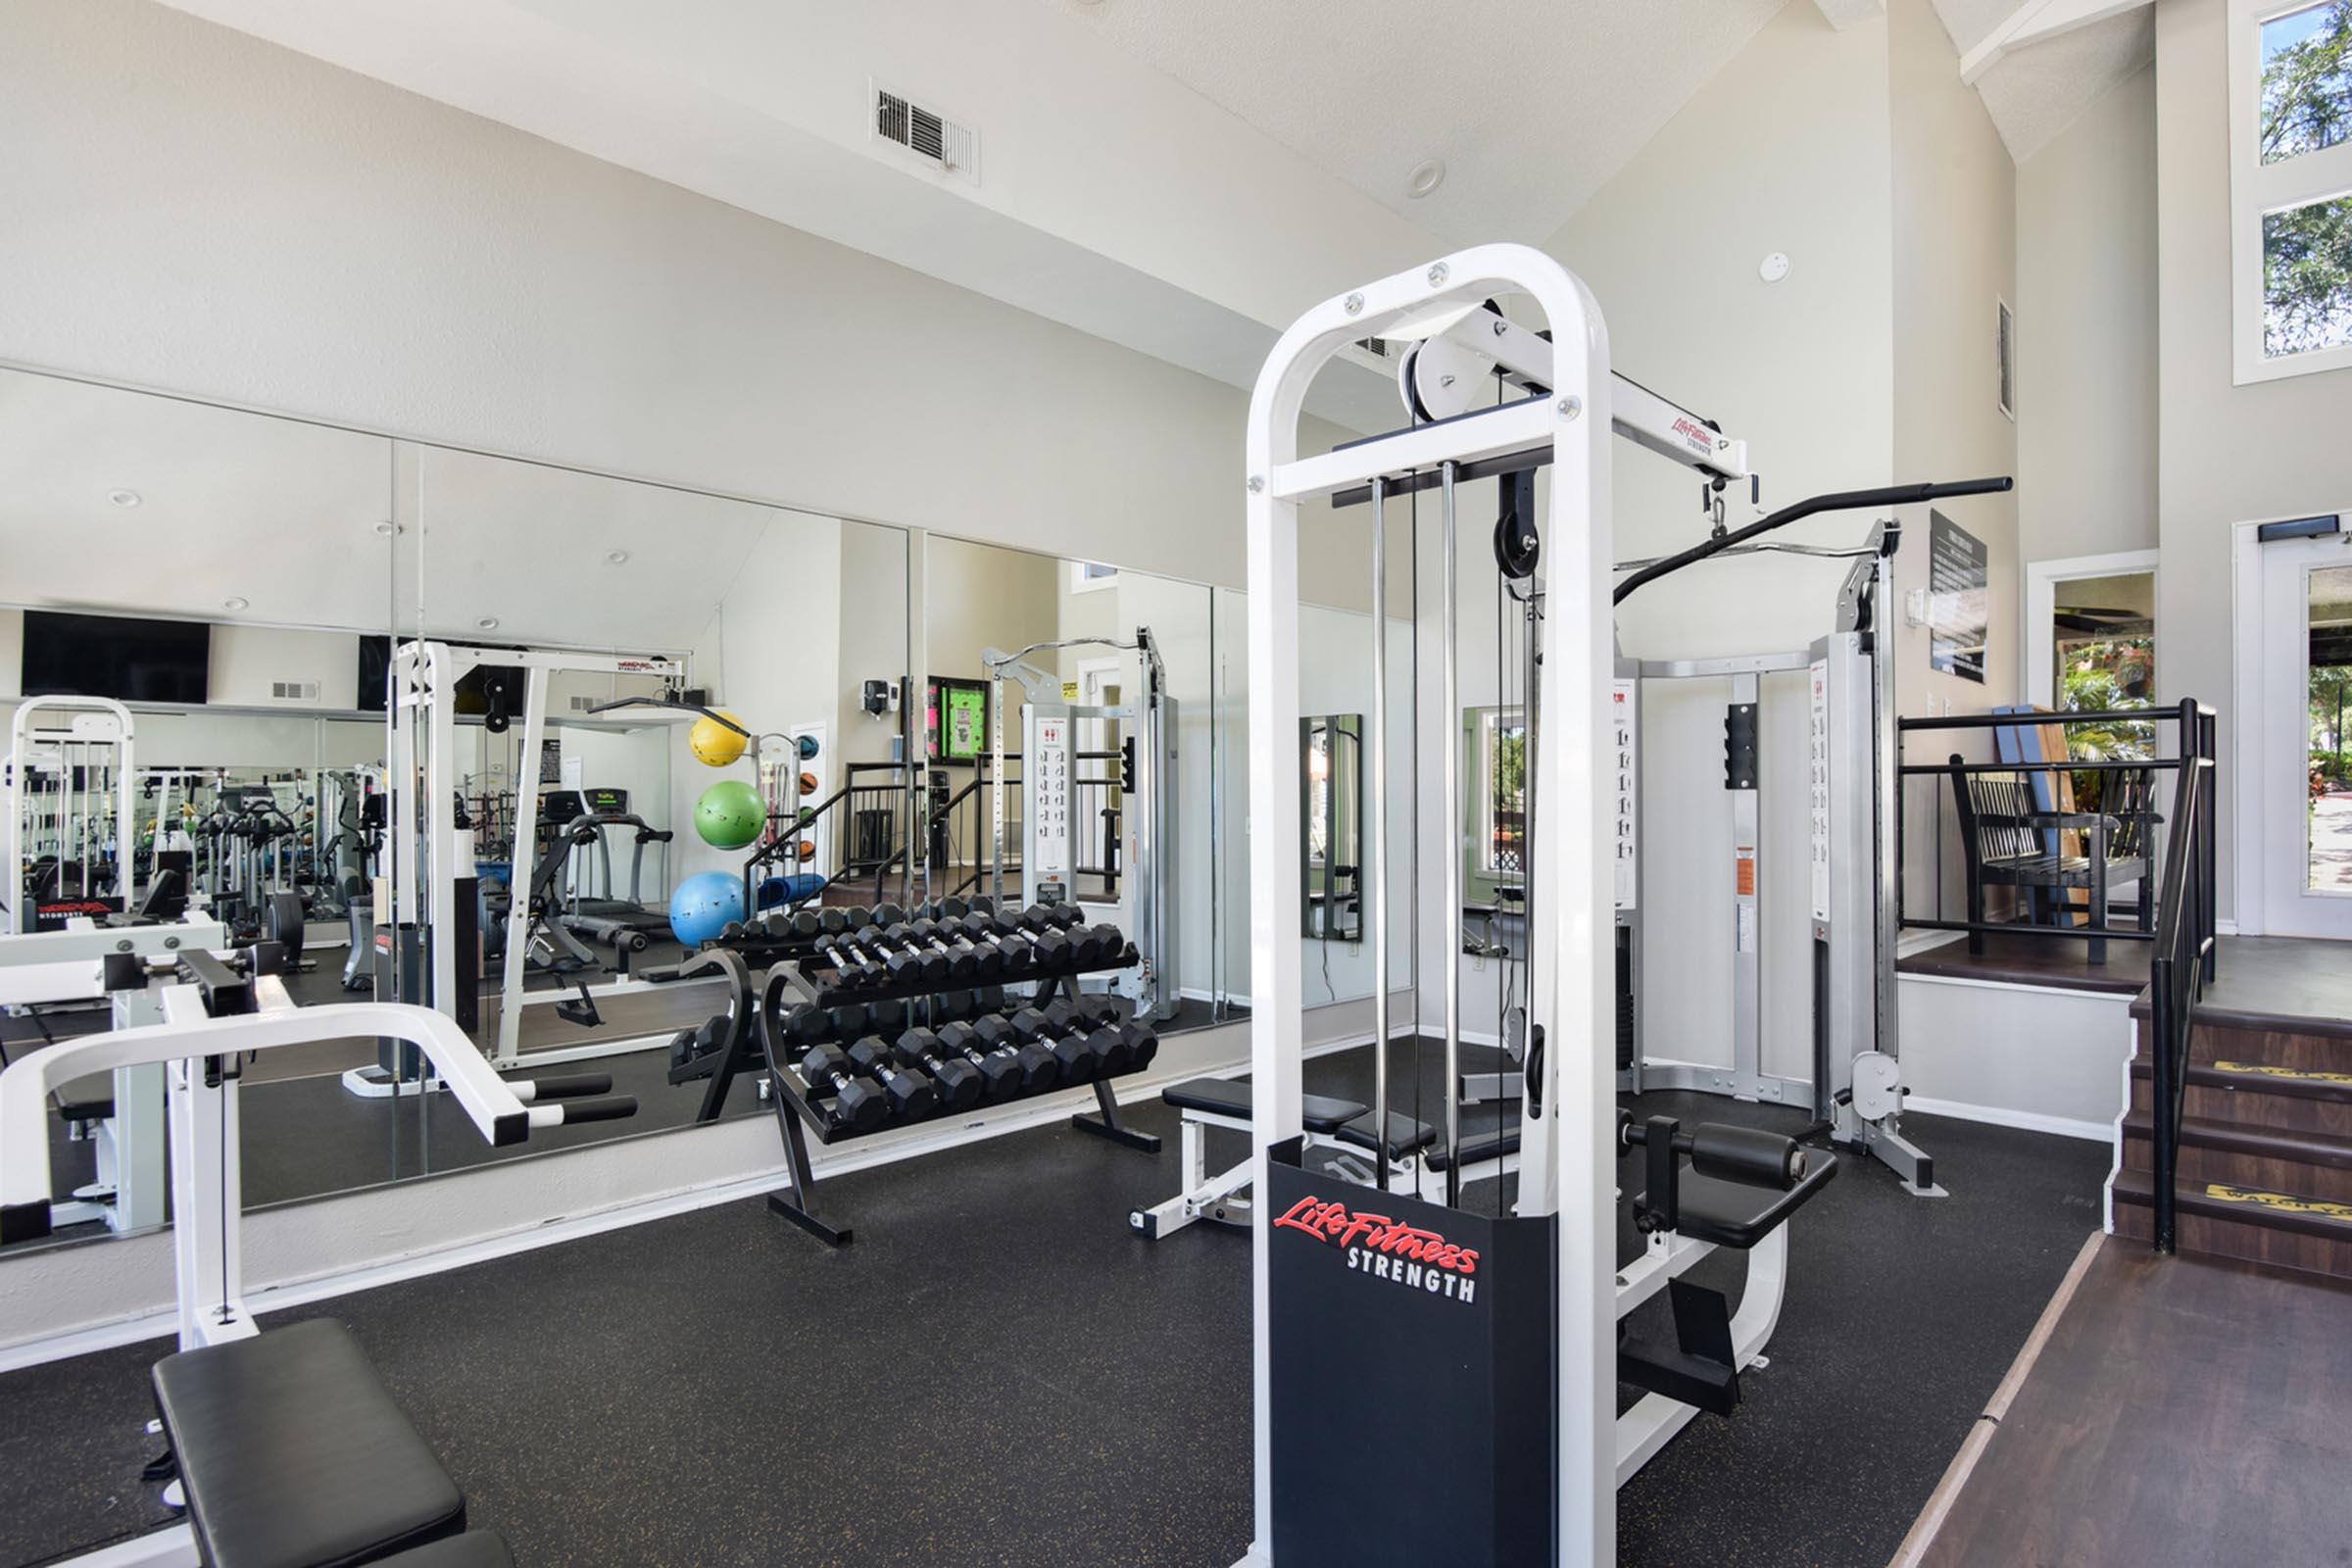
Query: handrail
column 2180, row 969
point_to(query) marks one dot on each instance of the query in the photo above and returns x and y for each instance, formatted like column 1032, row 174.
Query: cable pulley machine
column 1496, row 1337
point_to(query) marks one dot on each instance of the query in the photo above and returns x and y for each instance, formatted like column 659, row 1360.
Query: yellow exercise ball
column 713, row 743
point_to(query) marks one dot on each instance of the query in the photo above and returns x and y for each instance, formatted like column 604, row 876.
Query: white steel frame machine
column 1496, row 1336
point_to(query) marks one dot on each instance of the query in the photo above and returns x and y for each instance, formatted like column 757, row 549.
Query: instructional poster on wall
column 1959, row 598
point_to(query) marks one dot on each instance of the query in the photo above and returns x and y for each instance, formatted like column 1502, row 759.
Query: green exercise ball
column 729, row 814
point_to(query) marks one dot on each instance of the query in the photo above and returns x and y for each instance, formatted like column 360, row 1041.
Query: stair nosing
column 2138, row 1188
column 2256, row 1142
column 2204, row 1075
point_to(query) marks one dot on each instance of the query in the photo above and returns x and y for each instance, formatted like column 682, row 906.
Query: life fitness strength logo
column 1382, row 1248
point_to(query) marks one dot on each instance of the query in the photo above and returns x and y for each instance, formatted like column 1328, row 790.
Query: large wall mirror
column 1071, row 720
column 240, row 583
column 248, row 588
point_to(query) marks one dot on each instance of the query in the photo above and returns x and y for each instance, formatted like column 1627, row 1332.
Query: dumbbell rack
column 799, row 1115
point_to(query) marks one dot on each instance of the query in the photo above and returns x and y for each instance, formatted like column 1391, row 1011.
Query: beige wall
column 1955, row 255
column 2087, row 359
column 2225, row 453
column 1786, row 150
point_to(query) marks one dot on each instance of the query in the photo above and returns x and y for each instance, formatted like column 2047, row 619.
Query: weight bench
column 1227, row 1102
column 293, row 1455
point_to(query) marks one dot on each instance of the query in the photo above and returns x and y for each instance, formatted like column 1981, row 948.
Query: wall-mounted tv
column 115, row 656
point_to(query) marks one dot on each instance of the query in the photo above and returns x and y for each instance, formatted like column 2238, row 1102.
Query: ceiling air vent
column 927, row 134
column 294, row 691
column 1377, row 347
column 583, row 705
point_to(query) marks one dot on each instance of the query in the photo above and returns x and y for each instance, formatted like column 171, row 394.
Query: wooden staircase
column 2265, row 1143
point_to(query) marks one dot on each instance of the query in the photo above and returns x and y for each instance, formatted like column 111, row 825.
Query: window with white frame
column 2290, row 182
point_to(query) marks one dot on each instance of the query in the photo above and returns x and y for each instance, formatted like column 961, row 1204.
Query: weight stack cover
column 1412, row 1373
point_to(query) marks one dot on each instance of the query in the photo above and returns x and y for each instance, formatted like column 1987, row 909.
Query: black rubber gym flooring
column 998, row 1373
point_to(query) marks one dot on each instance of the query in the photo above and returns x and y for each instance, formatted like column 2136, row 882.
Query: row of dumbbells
column 891, row 950
column 928, row 1072
column 806, row 1026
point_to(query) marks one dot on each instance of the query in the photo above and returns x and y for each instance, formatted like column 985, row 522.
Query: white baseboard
column 2028, row 1121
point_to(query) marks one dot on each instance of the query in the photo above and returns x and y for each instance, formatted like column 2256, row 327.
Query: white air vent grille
column 1377, row 347
column 583, row 705
column 294, row 691
column 927, row 134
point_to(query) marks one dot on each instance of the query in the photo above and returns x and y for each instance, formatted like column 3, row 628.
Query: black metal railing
column 2183, row 967
column 2190, row 755
column 2185, row 957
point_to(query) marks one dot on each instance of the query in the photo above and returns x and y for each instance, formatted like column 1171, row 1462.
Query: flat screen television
column 115, row 656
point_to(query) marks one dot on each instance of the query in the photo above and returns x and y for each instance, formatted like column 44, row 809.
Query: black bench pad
column 476, row 1548
column 1737, row 1215
column 294, row 1456
column 1231, row 1097
column 1479, row 1147
column 1406, row 1134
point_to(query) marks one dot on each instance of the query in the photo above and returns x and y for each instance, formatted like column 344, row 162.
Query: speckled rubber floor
column 998, row 1373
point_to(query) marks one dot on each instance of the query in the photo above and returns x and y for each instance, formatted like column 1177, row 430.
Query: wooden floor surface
column 2180, row 1414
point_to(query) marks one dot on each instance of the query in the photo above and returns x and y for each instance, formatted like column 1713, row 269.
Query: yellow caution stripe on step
column 2277, row 1202
column 2301, row 1075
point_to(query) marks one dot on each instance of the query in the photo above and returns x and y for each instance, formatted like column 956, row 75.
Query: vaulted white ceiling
column 2036, row 91
column 1531, row 105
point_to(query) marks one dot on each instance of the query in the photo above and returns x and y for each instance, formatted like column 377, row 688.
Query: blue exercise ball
column 703, row 906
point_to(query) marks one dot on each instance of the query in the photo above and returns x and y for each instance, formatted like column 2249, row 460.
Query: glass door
column 2306, row 737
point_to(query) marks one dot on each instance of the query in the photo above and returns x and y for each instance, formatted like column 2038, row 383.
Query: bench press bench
column 1227, row 1102
column 292, row 1455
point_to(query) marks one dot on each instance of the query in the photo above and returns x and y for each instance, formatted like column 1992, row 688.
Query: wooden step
column 2260, row 1096
column 2293, row 1049
column 2225, row 1220
column 2315, row 1166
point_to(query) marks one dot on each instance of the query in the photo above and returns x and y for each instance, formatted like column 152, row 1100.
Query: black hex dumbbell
column 909, row 961
column 1013, row 954
column 1080, row 1058
column 968, row 959
column 1099, row 944
column 910, row 1094
column 854, row 968
column 807, row 1026
column 960, row 1080
column 850, row 1103
column 1038, row 1067
column 963, row 962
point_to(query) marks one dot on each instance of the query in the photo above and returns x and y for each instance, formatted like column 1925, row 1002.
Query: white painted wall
column 2086, row 356
column 2225, row 454
column 2046, row 1060
column 247, row 660
column 372, row 258
column 769, row 655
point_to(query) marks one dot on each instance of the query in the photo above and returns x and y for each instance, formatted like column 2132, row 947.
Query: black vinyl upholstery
column 1229, row 1097
column 1406, row 1134
column 1737, row 1215
column 1479, row 1147
column 294, row 1456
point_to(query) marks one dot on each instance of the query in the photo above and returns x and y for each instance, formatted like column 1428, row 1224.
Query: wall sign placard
column 1959, row 598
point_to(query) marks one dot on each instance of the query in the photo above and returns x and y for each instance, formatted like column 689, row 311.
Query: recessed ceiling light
column 236, row 604
column 1427, row 176
column 616, row 558
column 123, row 498
column 488, row 623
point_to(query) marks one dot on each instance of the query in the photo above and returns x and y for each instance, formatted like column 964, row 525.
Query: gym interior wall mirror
column 1109, row 676
column 1331, row 806
column 251, row 558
